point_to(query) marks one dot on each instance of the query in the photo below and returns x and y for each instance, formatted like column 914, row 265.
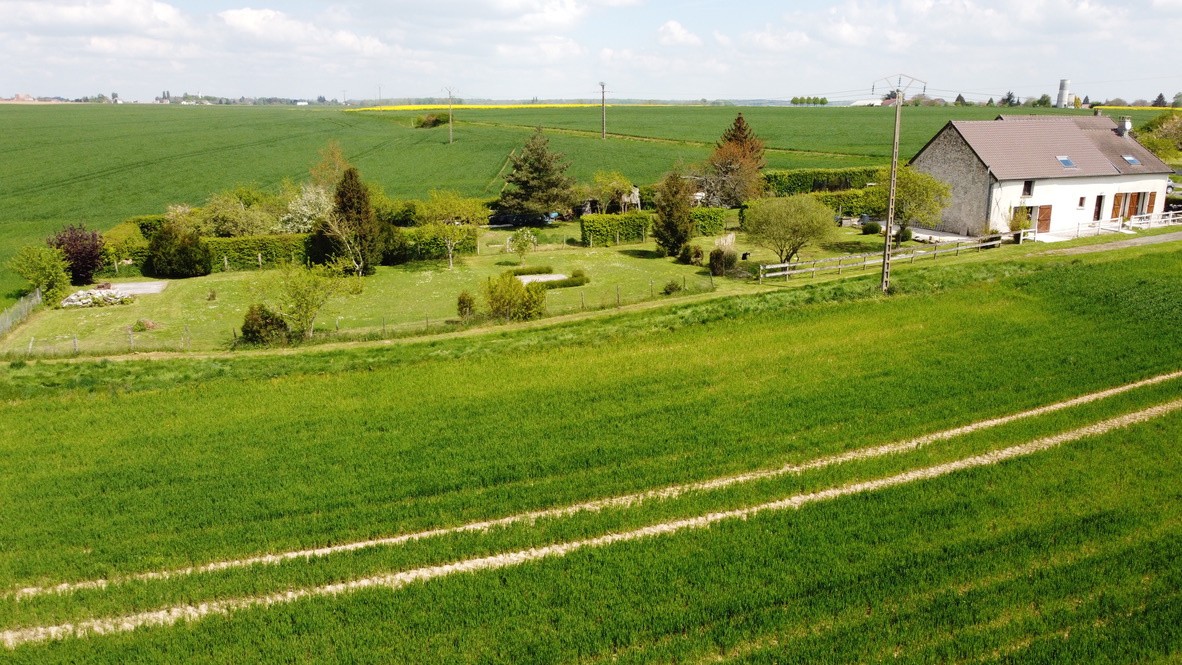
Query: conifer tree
column 350, row 234
column 740, row 135
column 674, row 226
column 538, row 183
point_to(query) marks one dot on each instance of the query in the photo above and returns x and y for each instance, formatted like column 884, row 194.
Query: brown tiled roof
column 1028, row 147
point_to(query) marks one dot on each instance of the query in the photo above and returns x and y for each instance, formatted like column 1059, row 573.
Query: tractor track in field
column 621, row 501
column 393, row 581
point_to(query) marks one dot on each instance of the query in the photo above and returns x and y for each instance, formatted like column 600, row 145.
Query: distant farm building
column 1060, row 171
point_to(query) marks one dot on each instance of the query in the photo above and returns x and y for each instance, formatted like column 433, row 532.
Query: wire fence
column 16, row 314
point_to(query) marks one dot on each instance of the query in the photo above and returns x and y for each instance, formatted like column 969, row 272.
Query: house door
column 1133, row 207
column 1117, row 204
column 1044, row 219
column 1099, row 209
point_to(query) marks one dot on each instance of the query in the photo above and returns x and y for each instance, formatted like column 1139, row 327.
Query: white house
column 1063, row 171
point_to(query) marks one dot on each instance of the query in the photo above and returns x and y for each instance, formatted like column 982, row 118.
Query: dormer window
column 1133, row 161
column 1028, row 188
column 1066, row 161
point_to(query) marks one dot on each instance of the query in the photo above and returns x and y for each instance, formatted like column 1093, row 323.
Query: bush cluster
column 125, row 243
column 709, row 221
column 722, row 261
column 871, row 228
column 178, row 251
column 602, row 230
column 429, row 120
column 852, row 202
column 671, row 287
column 805, row 181
column 510, row 300
column 691, row 255
column 466, row 305
column 263, row 327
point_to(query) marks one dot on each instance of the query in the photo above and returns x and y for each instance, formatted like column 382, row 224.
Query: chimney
column 1124, row 126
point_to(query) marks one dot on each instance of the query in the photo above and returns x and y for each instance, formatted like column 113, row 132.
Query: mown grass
column 228, row 457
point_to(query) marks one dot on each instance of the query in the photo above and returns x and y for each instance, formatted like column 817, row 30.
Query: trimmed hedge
column 852, row 202
column 531, row 270
column 243, row 252
column 125, row 242
column 422, row 243
column 806, row 181
column 709, row 221
column 615, row 229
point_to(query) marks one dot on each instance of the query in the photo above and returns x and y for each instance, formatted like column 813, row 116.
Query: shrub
column 510, row 300
column 43, row 268
column 684, row 255
column 178, row 251
column 871, row 228
column 671, row 287
column 605, row 230
column 691, row 255
column 262, row 326
column 429, row 120
column 709, row 221
column 903, row 235
column 82, row 249
column 466, row 305
column 722, row 261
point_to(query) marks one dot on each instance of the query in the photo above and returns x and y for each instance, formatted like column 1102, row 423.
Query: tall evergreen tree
column 538, row 183
column 351, row 233
column 1160, row 101
column 740, row 135
column 674, row 226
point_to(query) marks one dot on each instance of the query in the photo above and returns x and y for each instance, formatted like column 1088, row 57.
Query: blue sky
column 654, row 49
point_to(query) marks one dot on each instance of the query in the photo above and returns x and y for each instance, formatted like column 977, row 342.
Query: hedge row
column 423, row 243
column 805, row 181
column 248, row 252
column 853, row 202
column 615, row 229
column 709, row 221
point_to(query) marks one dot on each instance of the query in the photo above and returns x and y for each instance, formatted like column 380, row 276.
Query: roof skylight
column 1133, row 161
column 1066, row 161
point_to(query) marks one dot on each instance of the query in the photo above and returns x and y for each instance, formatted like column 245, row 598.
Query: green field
column 101, row 164
column 114, row 469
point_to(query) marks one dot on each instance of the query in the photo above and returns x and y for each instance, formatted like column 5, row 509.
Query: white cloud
column 673, row 33
column 721, row 39
column 773, row 38
column 546, row 50
column 273, row 26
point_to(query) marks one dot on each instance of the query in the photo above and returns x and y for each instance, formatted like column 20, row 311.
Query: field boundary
column 621, row 501
column 393, row 581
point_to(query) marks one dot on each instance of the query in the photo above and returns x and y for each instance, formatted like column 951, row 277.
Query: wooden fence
column 16, row 314
column 854, row 262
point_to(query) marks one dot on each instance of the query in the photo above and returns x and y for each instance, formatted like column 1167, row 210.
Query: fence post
column 617, row 295
column 650, row 289
column 31, row 340
column 130, row 339
column 75, row 344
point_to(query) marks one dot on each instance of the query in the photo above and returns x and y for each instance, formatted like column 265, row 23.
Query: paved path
column 140, row 287
column 1147, row 240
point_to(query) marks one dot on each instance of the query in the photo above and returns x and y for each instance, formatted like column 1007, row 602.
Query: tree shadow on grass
column 852, row 247
column 643, row 253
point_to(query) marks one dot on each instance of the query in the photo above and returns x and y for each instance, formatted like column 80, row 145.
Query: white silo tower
column 1065, row 99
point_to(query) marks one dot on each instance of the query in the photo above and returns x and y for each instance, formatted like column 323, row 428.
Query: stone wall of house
column 951, row 160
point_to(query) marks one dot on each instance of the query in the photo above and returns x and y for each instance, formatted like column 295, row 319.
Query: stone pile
column 97, row 298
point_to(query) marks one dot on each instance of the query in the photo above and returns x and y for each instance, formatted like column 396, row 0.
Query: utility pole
column 379, row 95
column 890, row 222
column 450, row 124
column 603, row 108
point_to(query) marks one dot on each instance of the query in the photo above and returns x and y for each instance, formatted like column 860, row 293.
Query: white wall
column 1063, row 195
